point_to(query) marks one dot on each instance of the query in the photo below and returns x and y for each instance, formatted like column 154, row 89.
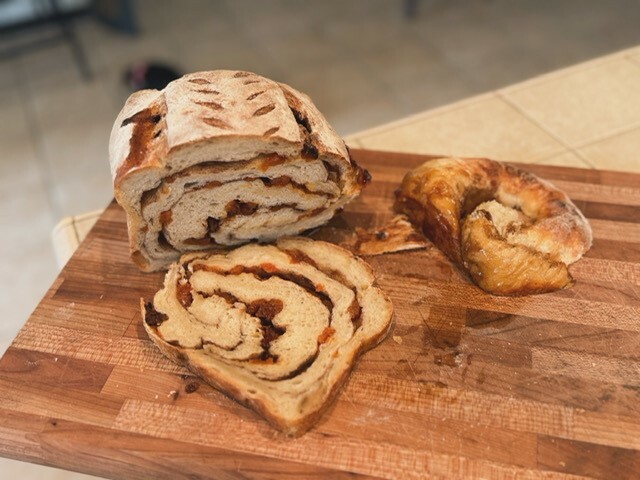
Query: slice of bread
column 222, row 158
column 276, row 327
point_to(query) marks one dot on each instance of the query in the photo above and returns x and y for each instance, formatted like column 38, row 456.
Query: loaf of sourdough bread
column 224, row 158
column 277, row 327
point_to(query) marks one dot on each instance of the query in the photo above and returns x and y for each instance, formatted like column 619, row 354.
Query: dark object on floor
column 145, row 75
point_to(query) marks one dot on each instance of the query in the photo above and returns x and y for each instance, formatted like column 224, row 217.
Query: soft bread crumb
column 295, row 343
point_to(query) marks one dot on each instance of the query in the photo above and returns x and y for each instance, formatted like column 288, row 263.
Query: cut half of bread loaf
column 276, row 327
column 222, row 158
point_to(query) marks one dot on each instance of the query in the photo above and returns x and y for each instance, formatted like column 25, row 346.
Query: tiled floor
column 361, row 61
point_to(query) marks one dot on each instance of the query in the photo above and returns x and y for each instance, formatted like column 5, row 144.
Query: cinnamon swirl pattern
column 277, row 327
column 223, row 158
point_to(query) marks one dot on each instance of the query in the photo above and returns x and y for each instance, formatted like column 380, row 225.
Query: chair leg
column 71, row 38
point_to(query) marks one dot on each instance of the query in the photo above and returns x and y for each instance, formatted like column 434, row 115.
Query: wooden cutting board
column 467, row 385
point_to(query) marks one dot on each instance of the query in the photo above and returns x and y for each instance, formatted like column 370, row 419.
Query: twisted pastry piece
column 276, row 327
column 513, row 233
column 223, row 158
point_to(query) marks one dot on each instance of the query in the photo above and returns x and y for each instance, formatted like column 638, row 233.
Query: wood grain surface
column 466, row 386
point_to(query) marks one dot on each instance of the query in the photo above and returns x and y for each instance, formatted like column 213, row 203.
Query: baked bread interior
column 223, row 158
column 277, row 327
column 512, row 232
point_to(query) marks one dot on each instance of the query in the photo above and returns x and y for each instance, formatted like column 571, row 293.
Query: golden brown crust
column 512, row 232
column 398, row 235
column 507, row 269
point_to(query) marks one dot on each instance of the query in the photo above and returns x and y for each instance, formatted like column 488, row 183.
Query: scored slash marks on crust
column 270, row 132
column 192, row 105
column 264, row 110
column 211, row 105
column 205, row 91
column 249, row 81
column 254, row 95
column 216, row 122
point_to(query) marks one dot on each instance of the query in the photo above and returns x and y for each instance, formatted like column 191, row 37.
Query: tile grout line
column 609, row 135
column 428, row 114
column 633, row 59
column 415, row 39
column 561, row 73
column 618, row 56
column 442, row 60
column 351, row 56
column 35, row 133
column 544, row 128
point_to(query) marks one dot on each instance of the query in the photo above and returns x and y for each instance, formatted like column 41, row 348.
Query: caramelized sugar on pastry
column 398, row 235
column 512, row 232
